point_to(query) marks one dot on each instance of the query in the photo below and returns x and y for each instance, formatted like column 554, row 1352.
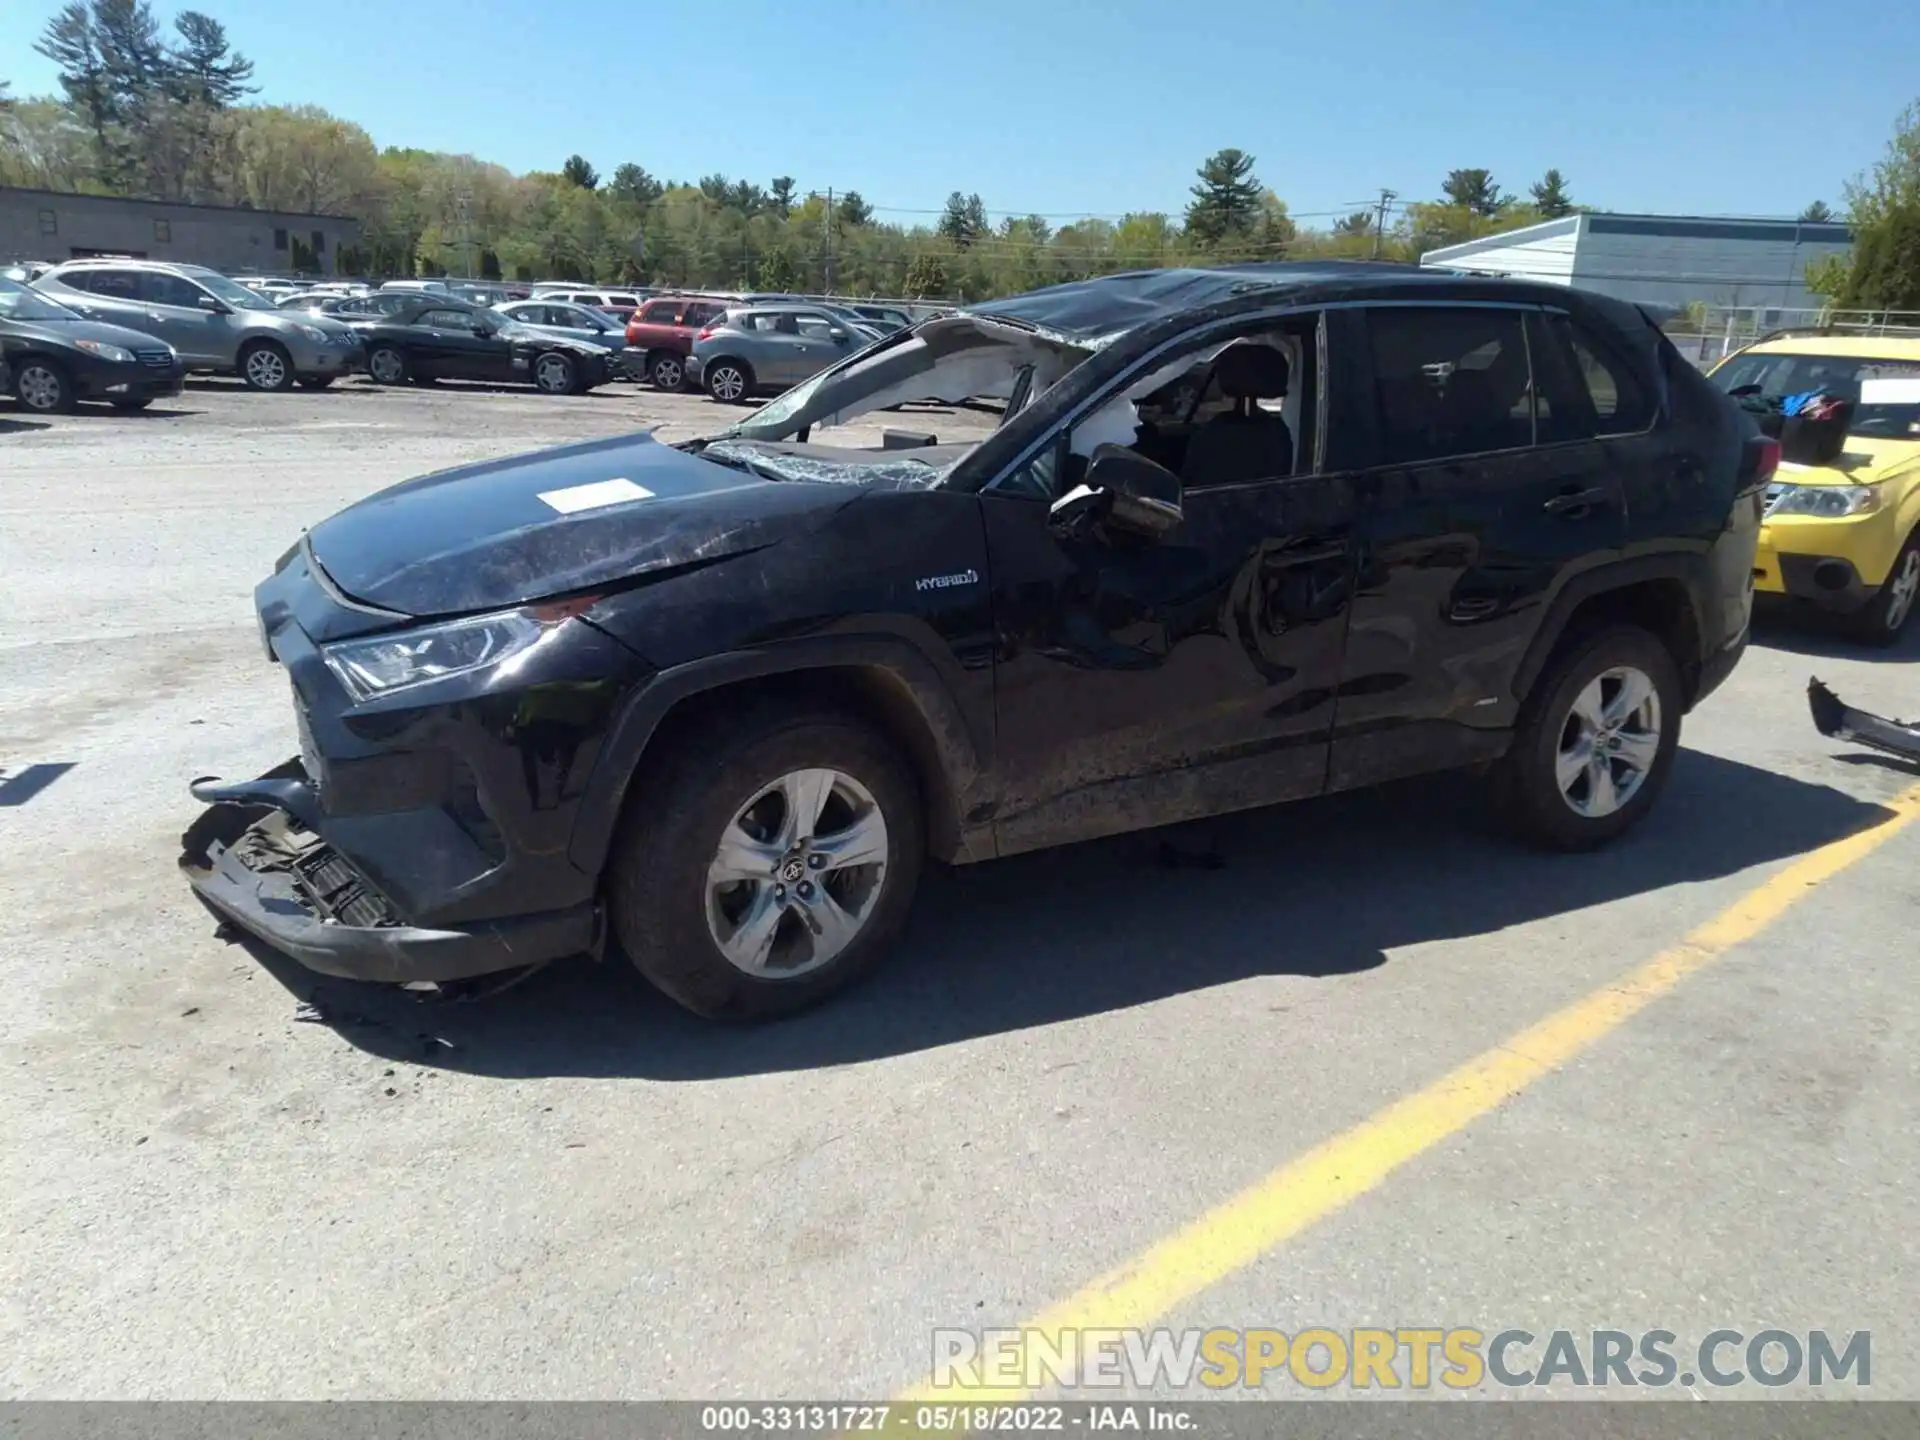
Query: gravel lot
column 573, row 1190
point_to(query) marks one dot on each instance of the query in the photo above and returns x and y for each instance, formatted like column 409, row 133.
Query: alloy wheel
column 797, row 874
column 1902, row 586
column 667, row 375
column 553, row 374
column 39, row 388
column 386, row 367
column 266, row 370
column 727, row 383
column 1609, row 742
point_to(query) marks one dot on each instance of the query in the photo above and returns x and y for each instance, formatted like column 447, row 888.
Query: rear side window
column 1621, row 404
column 119, row 284
column 446, row 319
column 1449, row 382
column 661, row 312
column 700, row 314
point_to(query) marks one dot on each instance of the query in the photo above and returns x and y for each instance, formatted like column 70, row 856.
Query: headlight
column 315, row 334
column 106, row 352
column 1828, row 500
column 382, row 664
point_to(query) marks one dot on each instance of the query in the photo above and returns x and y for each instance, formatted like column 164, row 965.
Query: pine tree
column 1819, row 212
column 578, row 172
column 204, row 68
column 1550, row 195
column 964, row 220
column 926, row 276
column 780, row 195
column 1474, row 191
column 852, row 211
column 1227, row 200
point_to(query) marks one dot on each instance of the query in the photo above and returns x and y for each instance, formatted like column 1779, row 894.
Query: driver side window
column 1235, row 409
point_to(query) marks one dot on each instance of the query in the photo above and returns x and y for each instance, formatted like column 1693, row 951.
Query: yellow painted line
column 1307, row 1189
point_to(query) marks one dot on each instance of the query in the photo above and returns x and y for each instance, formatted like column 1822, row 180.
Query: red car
column 664, row 328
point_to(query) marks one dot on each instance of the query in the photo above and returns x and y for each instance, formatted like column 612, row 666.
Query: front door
column 203, row 337
column 1141, row 682
column 1486, row 491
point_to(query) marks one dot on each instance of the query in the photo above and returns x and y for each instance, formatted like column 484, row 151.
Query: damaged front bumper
column 256, row 857
column 1833, row 716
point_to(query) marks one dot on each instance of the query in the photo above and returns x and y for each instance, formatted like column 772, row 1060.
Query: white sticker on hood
column 593, row 497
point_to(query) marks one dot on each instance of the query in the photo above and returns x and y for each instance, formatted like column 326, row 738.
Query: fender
column 957, row 749
column 1688, row 567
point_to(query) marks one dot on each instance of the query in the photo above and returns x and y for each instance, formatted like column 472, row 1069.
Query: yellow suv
column 1840, row 534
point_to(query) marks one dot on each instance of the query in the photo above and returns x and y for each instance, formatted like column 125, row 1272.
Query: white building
column 1661, row 259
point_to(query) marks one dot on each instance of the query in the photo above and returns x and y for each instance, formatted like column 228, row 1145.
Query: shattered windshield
column 907, row 409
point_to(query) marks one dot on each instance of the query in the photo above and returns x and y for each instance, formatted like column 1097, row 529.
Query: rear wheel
column 1595, row 741
column 42, row 387
column 1883, row 619
column 770, row 865
column 728, row 380
column 265, row 366
column 667, row 371
column 387, row 365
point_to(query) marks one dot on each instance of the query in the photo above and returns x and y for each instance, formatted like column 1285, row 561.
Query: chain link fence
column 1706, row 334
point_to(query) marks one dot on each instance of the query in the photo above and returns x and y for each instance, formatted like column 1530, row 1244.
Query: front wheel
column 554, row 374
column 265, row 366
column 728, row 381
column 770, row 864
column 1883, row 620
column 42, row 387
column 1595, row 741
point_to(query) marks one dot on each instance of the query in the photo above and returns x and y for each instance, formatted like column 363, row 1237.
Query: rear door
column 1487, row 488
column 112, row 296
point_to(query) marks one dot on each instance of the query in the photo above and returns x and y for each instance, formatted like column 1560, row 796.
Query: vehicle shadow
column 9, row 426
column 1799, row 630
column 1317, row 889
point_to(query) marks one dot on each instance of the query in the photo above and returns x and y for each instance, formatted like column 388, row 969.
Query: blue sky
column 1103, row 106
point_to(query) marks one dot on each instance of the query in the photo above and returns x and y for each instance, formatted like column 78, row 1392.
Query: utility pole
column 463, row 211
column 826, row 238
column 1387, row 197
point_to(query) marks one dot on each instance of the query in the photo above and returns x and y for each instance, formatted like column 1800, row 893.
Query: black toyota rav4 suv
column 1238, row 536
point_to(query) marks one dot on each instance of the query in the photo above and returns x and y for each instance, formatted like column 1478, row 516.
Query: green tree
column 1227, row 200
column 631, row 183
column 489, row 265
column 69, row 42
column 1550, row 196
column 926, row 276
column 1885, row 269
column 780, row 195
column 777, row 271
column 1474, row 191
column 964, row 220
column 578, row 172
column 1359, row 222
column 1819, row 212
column 852, row 211
column 204, row 68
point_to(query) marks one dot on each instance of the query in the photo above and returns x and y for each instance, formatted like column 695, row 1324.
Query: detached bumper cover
column 255, row 859
column 1833, row 716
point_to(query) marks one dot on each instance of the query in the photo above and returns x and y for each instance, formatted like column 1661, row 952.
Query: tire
column 667, row 371
column 387, row 365
column 668, row 913
column 555, row 374
column 1528, row 784
column 265, row 365
column 130, row 404
column 1883, row 619
column 728, row 380
column 314, row 382
column 42, row 387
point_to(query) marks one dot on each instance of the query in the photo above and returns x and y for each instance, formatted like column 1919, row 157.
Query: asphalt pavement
column 229, row 1178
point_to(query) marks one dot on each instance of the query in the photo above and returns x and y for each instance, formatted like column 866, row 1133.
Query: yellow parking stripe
column 1311, row 1187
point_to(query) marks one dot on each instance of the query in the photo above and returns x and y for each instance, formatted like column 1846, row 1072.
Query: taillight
column 706, row 334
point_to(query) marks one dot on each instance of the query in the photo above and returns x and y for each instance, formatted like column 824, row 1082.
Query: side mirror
column 836, row 334
column 1144, row 497
column 217, row 307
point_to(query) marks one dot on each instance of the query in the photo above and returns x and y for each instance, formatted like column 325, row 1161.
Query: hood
column 1865, row 460
column 65, row 332
column 556, row 522
column 320, row 320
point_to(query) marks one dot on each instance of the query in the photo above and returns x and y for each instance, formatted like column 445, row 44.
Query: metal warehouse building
column 1662, row 259
column 51, row 225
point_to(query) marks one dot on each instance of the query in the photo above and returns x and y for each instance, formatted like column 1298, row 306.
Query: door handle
column 1574, row 502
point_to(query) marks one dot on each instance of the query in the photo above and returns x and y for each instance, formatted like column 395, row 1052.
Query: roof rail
column 1861, row 328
